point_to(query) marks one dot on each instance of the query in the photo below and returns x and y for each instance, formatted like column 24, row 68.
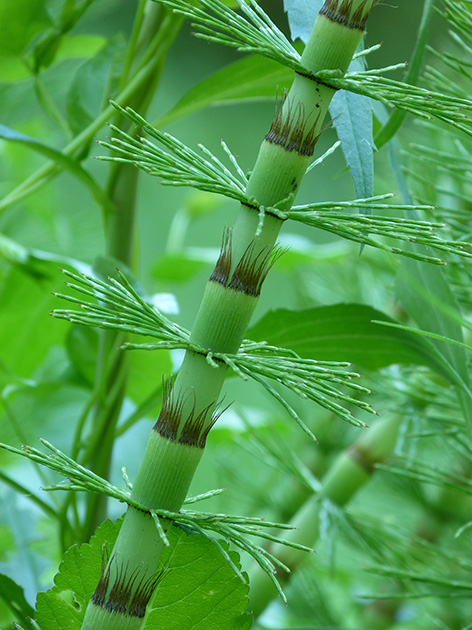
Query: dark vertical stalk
column 157, row 26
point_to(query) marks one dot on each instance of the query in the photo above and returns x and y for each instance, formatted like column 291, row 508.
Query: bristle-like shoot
column 292, row 130
column 350, row 13
column 127, row 596
column 193, row 431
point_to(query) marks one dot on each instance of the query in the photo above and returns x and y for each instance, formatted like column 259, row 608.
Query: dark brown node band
column 313, row 77
column 193, row 433
column 129, row 595
column 251, row 270
column 341, row 14
column 168, row 422
column 290, row 131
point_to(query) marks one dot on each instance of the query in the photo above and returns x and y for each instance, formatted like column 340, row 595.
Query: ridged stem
column 350, row 472
column 176, row 443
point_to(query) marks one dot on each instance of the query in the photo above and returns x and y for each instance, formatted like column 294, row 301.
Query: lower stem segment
column 129, row 577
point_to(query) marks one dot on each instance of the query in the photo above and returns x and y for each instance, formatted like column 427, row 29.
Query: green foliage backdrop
column 393, row 549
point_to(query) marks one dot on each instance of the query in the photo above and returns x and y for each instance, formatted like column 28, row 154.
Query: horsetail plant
column 177, row 441
column 132, row 568
column 248, row 251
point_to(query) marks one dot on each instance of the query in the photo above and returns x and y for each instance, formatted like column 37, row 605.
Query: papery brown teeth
column 341, row 13
column 251, row 271
column 223, row 264
column 127, row 596
column 192, row 429
column 170, row 416
column 291, row 130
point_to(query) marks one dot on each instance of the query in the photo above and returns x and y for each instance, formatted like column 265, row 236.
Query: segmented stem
column 176, row 442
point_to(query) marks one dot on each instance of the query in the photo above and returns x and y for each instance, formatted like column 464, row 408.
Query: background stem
column 156, row 26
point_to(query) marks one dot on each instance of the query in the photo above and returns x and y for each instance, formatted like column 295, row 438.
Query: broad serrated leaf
column 301, row 17
column 345, row 332
column 79, row 573
column 251, row 78
column 14, row 597
column 200, row 591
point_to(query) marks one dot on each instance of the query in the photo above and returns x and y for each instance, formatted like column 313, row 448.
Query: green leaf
column 21, row 21
column 200, row 591
column 91, row 85
column 82, row 350
column 73, row 166
column 301, row 17
column 25, row 310
column 352, row 118
column 176, row 268
column 13, row 70
column 250, row 78
column 345, row 332
column 79, row 573
column 145, row 373
column 80, row 46
column 14, row 597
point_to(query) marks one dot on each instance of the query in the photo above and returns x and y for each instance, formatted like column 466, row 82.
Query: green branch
column 120, row 308
column 236, row 529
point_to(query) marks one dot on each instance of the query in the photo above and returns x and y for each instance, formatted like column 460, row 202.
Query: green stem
column 147, row 69
column 155, row 27
column 349, row 473
column 176, row 443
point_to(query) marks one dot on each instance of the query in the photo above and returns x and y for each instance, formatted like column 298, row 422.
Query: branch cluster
column 120, row 307
column 235, row 529
column 177, row 165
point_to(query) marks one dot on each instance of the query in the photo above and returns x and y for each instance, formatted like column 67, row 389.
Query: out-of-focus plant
column 164, row 565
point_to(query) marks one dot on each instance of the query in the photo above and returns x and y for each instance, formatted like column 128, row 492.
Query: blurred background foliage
column 47, row 368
